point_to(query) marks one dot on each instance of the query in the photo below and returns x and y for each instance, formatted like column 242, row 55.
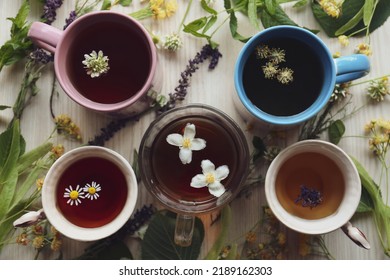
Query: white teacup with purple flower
column 313, row 187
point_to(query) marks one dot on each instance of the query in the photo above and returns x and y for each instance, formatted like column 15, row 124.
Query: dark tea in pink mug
column 105, row 61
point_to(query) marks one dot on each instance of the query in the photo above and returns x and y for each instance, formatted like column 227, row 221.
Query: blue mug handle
column 351, row 67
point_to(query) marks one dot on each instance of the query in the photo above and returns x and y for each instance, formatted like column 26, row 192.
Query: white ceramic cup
column 347, row 207
column 49, row 198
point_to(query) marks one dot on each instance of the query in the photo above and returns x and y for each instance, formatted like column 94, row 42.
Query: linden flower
column 285, row 75
column 186, row 142
column 363, row 48
column 211, row 178
column 270, row 70
column 262, row 51
column 331, row 7
column 378, row 89
column 74, row 195
column 277, row 55
column 92, row 190
column 96, row 64
column 344, row 40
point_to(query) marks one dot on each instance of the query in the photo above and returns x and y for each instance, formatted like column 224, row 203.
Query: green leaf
column 349, row 10
column 106, row 5
column 336, row 131
column 221, row 240
column 25, row 161
column 252, row 13
column 368, row 11
column 9, row 172
column 233, row 24
column 227, row 5
column 301, row 3
column 366, row 204
column 125, row 3
column 209, row 24
column 17, row 47
column 195, row 25
column 116, row 251
column 158, row 241
column 207, row 8
column 278, row 18
column 3, row 107
column 350, row 24
column 270, row 5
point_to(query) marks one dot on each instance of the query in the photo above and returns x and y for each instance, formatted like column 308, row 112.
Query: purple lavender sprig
column 181, row 90
column 309, row 197
column 50, row 10
column 70, row 19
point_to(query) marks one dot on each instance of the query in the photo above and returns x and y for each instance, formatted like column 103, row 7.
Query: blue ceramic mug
column 332, row 71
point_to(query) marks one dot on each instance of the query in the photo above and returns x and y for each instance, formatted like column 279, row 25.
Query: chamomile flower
column 74, row 195
column 211, row 178
column 186, row 143
column 92, row 190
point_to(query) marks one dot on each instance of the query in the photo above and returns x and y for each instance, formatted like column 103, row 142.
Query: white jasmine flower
column 30, row 218
column 92, row 190
column 186, row 142
column 74, row 195
column 211, row 178
column 96, row 64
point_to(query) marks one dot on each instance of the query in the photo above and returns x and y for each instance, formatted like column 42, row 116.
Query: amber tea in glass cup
column 185, row 149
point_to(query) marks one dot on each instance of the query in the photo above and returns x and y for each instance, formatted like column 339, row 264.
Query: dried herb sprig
column 309, row 197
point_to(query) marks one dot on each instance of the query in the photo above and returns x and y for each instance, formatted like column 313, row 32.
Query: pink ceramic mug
column 128, row 61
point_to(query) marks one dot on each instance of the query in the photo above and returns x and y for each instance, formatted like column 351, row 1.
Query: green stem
column 367, row 81
column 185, row 16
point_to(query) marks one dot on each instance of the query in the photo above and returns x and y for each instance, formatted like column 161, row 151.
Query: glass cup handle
column 184, row 230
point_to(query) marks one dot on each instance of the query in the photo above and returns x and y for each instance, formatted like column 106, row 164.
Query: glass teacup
column 193, row 160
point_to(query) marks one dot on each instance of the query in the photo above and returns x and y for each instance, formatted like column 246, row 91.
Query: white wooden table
column 215, row 88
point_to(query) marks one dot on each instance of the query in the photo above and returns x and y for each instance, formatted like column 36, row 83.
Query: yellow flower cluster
column 65, row 125
column 331, row 7
column 379, row 136
column 163, row 8
column 344, row 40
column 363, row 48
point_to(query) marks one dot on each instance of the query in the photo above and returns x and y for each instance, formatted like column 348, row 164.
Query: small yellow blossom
column 379, row 136
column 304, row 248
column 262, row 51
column 363, row 48
column 331, row 7
column 39, row 183
column 277, row 55
column 378, row 89
column 285, row 75
column 37, row 229
column 56, row 244
column 250, row 237
column 270, row 70
column 281, row 238
column 344, row 40
column 65, row 125
column 163, row 8
column 57, row 151
column 38, row 242
column 22, row 239
column 336, row 55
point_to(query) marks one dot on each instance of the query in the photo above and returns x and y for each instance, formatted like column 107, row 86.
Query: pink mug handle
column 45, row 36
